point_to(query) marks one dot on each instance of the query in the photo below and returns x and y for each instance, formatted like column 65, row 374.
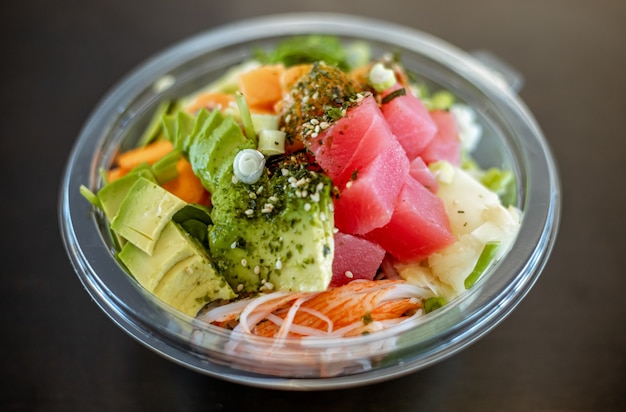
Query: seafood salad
column 313, row 191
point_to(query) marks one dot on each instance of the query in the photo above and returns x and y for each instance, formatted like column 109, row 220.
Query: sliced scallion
column 442, row 100
column 381, row 78
column 393, row 95
column 246, row 119
column 272, row 142
column 90, row 196
column 484, row 260
column 433, row 303
column 262, row 121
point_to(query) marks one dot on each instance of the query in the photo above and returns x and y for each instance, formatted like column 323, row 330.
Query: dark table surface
column 563, row 348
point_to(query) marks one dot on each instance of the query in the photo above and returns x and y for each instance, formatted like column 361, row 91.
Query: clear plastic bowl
column 511, row 140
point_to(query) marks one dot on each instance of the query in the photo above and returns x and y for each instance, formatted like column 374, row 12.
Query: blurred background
column 563, row 348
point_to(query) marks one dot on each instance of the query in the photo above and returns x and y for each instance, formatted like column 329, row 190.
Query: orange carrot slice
column 261, row 87
column 187, row 185
column 148, row 154
column 211, row 100
column 291, row 75
column 115, row 174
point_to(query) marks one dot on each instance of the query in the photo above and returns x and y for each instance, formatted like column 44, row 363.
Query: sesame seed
column 285, row 172
column 233, row 245
column 273, row 199
column 269, row 286
column 349, row 274
column 257, row 269
column 279, row 264
column 315, row 197
column 240, row 287
column 244, row 263
column 349, row 184
column 314, row 135
column 307, row 207
column 322, row 216
column 252, row 195
column 305, row 193
column 249, row 212
column 331, row 207
column 324, row 125
column 319, row 187
column 317, row 129
column 235, row 180
column 315, row 121
column 259, row 190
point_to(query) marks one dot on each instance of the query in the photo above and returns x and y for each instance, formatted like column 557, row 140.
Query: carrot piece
column 148, row 154
column 261, row 86
column 361, row 74
column 186, row 185
column 115, row 174
column 291, row 75
column 210, row 101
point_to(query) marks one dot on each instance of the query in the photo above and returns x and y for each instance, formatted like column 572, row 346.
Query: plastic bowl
column 511, row 140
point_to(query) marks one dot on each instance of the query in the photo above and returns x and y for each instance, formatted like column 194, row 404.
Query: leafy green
column 155, row 126
column 308, row 49
column 501, row 182
column 195, row 219
column 442, row 100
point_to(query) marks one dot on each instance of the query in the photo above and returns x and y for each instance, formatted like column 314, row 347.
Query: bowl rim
column 543, row 197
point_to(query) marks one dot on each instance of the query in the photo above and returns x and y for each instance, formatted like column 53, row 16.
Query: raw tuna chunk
column 355, row 258
column 446, row 145
column 376, row 140
column 418, row 227
column 334, row 147
column 367, row 202
column 420, row 172
column 409, row 121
